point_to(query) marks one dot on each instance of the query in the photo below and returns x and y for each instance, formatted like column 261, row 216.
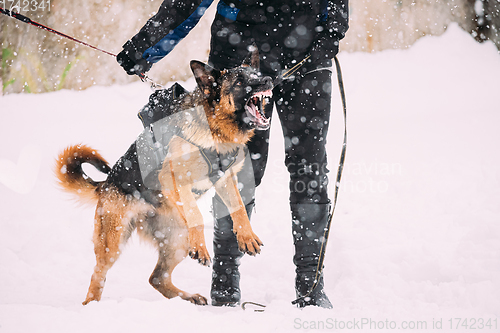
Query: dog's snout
column 267, row 81
column 263, row 82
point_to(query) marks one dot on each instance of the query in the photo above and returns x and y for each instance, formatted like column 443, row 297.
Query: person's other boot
column 309, row 231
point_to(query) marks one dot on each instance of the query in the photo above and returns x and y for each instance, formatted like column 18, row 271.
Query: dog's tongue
column 252, row 108
column 255, row 109
column 258, row 118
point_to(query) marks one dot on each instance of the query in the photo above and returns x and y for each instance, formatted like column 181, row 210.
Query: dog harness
column 217, row 163
column 160, row 107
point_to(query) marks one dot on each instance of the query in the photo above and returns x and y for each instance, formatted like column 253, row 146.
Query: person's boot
column 225, row 289
column 309, row 233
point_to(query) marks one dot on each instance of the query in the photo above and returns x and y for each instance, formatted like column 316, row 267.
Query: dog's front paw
column 197, row 248
column 248, row 242
column 200, row 253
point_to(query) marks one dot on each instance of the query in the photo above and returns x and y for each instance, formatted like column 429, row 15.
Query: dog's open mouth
column 255, row 110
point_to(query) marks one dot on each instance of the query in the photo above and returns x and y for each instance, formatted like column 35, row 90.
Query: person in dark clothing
column 285, row 32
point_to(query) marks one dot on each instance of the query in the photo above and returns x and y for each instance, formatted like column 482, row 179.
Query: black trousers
column 303, row 108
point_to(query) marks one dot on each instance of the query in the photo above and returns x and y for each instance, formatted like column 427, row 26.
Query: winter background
column 415, row 238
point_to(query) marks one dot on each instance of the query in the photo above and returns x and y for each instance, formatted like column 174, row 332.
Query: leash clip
column 153, row 85
column 287, row 74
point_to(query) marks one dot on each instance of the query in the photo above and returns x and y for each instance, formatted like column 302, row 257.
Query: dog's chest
column 189, row 165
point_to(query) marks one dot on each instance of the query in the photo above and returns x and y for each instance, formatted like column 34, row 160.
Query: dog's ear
column 206, row 76
column 252, row 58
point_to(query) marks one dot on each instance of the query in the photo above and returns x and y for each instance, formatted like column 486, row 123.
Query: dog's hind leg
column 161, row 279
column 172, row 249
column 108, row 235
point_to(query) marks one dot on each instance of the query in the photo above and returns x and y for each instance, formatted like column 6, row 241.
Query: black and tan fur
column 172, row 221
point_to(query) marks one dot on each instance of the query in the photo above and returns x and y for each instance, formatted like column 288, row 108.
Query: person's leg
column 304, row 113
column 225, row 289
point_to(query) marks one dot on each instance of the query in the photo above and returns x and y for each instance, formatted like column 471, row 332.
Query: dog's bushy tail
column 70, row 174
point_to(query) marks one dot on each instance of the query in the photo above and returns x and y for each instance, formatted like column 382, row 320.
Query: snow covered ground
column 415, row 241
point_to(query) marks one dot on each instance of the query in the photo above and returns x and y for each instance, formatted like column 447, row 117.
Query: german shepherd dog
column 231, row 104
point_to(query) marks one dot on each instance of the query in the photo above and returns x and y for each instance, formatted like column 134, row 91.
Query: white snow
column 415, row 239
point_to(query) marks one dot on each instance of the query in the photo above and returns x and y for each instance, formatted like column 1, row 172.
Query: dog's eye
column 239, row 83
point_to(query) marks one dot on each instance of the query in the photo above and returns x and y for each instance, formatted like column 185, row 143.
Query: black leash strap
column 288, row 73
column 319, row 268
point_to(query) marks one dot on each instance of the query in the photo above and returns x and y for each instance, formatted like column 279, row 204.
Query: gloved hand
column 325, row 46
column 132, row 61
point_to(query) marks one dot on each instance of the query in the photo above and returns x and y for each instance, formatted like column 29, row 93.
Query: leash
column 244, row 305
column 319, row 267
column 24, row 19
column 287, row 73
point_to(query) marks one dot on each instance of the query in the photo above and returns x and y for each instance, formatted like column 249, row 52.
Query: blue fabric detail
column 158, row 51
column 324, row 10
column 227, row 11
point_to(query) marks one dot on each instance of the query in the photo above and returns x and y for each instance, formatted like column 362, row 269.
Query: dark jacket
column 284, row 31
